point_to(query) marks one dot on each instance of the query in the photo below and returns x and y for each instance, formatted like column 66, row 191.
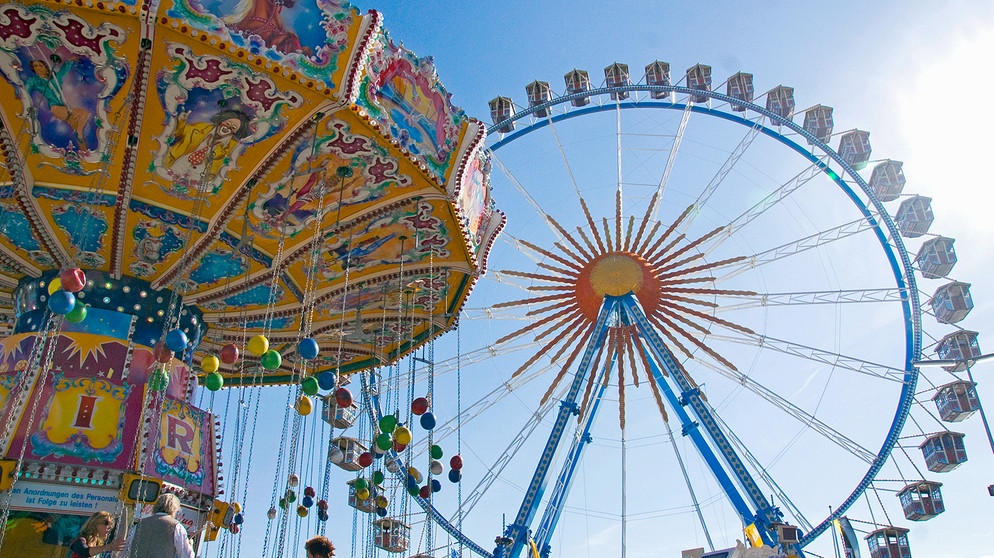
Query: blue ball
column 435, row 485
column 377, row 455
column 307, row 501
column 322, row 515
column 239, row 519
column 382, row 512
column 455, row 475
column 326, row 380
column 176, row 340
column 428, row 421
column 61, row 302
column 308, row 349
column 412, row 484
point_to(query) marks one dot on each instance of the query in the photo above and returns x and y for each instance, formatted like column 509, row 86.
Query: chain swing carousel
column 190, row 197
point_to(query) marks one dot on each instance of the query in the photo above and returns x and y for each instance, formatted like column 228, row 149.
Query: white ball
column 271, row 514
column 436, row 467
column 294, row 480
column 336, row 455
column 392, row 465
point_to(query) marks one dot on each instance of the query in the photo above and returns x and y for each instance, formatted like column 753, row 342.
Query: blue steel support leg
column 516, row 534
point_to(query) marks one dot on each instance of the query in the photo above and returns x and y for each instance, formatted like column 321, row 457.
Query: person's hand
column 115, row 545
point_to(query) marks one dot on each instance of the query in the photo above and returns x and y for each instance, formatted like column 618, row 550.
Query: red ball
column 162, row 353
column 365, row 459
column 309, row 492
column 73, row 280
column 322, row 504
column 419, row 406
column 425, row 491
column 234, row 529
column 399, row 447
column 343, row 397
column 229, row 353
column 456, row 462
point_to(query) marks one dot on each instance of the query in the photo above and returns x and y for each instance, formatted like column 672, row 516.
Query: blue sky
column 912, row 74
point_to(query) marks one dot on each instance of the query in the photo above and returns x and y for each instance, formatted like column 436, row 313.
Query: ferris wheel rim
column 879, row 219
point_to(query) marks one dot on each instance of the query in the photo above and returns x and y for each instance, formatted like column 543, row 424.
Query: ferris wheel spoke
column 801, row 245
column 848, row 296
column 802, row 416
column 668, row 169
column 526, row 196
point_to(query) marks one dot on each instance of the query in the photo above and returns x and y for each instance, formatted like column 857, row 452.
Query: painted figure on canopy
column 263, row 18
column 204, row 146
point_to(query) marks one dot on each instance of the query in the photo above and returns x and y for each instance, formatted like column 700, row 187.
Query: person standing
column 161, row 535
column 319, row 547
column 92, row 540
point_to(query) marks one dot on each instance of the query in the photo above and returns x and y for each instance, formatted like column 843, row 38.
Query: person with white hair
column 161, row 535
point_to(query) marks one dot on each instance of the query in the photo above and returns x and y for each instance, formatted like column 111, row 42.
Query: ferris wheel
column 701, row 318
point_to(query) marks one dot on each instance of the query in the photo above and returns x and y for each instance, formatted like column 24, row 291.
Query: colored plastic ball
column 309, row 491
column 455, row 475
column 402, row 435
column 362, row 494
column 322, row 515
column 291, row 496
column 54, row 285
column 301, row 511
column 258, row 345
column 382, row 512
column 322, row 504
column 399, row 447
column 326, row 380
column 360, row 483
column 239, row 519
column 378, row 477
column 382, row 502
column 411, row 471
column 210, row 364
column 436, row 467
column 293, row 479
column 383, row 441
column 428, row 421
column 425, row 491
column 412, row 483
column 159, row 380
column 77, row 314
column 237, row 507
column 176, row 340
column 343, row 397
column 282, row 503
column 309, row 385
column 414, row 491
column 304, row 406
column 456, row 462
column 336, row 455
column 307, row 348
column 61, row 302
column 229, row 353
column 73, row 280
column 162, row 353
column 234, row 529
column 307, row 501
column 392, row 465
column 214, row 381
column 419, row 406
column 435, row 485
column 365, row 459
column 271, row 359
column 388, row 423
column 271, row 514
column 436, row 452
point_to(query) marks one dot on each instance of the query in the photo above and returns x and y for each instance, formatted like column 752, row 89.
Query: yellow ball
column 304, row 406
column 54, row 285
column 237, row 507
column 382, row 501
column 210, row 364
column 258, row 345
column 415, row 473
column 362, row 493
column 403, row 435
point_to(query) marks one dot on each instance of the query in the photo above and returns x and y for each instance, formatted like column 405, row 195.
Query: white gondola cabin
column 368, row 505
column 339, row 417
column 959, row 345
column 943, row 451
column 616, row 75
column 502, row 108
column 936, row 258
column 391, row 535
column 889, row 542
column 914, row 216
column 921, row 501
column 740, row 87
column 539, row 92
column 854, row 148
column 887, row 180
column 818, row 122
column 956, row 401
column 578, row 81
column 952, row 302
column 780, row 101
column 351, row 450
column 699, row 78
column 658, row 73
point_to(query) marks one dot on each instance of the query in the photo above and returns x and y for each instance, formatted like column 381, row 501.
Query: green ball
column 159, row 380
column 291, row 496
column 214, row 381
column 360, row 483
column 383, row 441
column 414, row 491
column 283, row 503
column 436, row 451
column 388, row 423
column 271, row 359
column 378, row 477
column 309, row 385
column 77, row 314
